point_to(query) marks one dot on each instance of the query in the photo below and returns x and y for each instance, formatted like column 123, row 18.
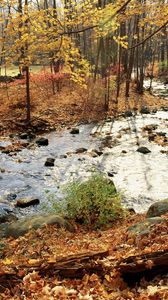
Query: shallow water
column 141, row 179
column 158, row 88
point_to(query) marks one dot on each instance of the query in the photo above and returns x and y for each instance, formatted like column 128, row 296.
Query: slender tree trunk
column 28, row 110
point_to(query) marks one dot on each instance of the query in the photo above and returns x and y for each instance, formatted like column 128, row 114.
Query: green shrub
column 93, row 202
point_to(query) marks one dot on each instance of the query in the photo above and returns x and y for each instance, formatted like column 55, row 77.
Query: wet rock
column 128, row 114
column 6, row 151
column 26, row 202
column 93, row 154
column 98, row 152
column 6, row 213
column 42, row 142
column 164, row 108
column 49, row 162
column 150, row 127
column 74, row 130
column 131, row 210
column 111, row 174
column 12, row 135
column 151, row 137
column 143, row 150
column 21, row 227
column 140, row 227
column 81, row 150
column 63, row 156
column 145, row 110
column 24, row 136
column 158, row 208
column 27, row 136
column 109, row 119
column 154, row 111
column 164, row 151
column 81, row 159
column 161, row 133
column 165, row 81
column 11, row 197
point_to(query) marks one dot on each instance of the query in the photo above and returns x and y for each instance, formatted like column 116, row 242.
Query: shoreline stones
column 6, row 213
column 74, row 130
column 21, row 227
column 144, row 227
column 42, row 141
column 143, row 150
column 80, row 150
column 145, row 110
column 158, row 208
column 49, row 162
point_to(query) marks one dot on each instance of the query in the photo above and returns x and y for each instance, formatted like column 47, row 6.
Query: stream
column 141, row 179
column 159, row 88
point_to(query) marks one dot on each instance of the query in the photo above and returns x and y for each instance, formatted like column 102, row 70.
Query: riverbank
column 68, row 107
column 42, row 264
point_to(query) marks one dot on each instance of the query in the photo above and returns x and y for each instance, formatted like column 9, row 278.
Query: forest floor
column 29, row 264
column 71, row 105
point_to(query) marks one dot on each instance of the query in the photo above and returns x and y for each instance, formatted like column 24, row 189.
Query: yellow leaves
column 121, row 41
column 34, row 262
column 7, row 261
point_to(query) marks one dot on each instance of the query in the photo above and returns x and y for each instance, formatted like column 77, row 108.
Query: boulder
column 21, row 227
column 93, row 154
column 81, row 150
column 144, row 227
column 23, row 136
column 49, row 162
column 164, row 108
column 27, row 135
column 63, row 156
column 151, row 137
column 98, row 152
column 74, row 130
column 6, row 213
column 42, row 141
column 150, row 127
column 161, row 133
column 111, row 173
column 26, row 202
column 128, row 114
column 143, row 150
column 11, row 196
column 158, row 208
column 145, row 110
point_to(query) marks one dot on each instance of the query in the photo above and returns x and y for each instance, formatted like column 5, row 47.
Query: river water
column 140, row 179
column 159, row 88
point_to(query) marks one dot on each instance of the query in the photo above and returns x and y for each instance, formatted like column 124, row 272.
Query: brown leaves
column 45, row 246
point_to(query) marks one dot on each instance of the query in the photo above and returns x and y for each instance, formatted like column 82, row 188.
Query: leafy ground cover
column 23, row 259
column 70, row 105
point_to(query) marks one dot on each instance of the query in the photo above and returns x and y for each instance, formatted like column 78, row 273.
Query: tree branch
column 149, row 36
column 95, row 26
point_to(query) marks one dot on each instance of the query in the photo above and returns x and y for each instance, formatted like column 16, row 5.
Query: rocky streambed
column 131, row 150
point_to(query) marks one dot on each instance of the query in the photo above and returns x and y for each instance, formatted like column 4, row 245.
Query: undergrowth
column 94, row 202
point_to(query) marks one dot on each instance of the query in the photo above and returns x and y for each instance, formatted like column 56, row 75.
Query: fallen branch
column 70, row 266
column 144, row 263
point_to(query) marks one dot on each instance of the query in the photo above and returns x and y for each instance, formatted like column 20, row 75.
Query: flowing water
column 141, row 179
column 159, row 88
